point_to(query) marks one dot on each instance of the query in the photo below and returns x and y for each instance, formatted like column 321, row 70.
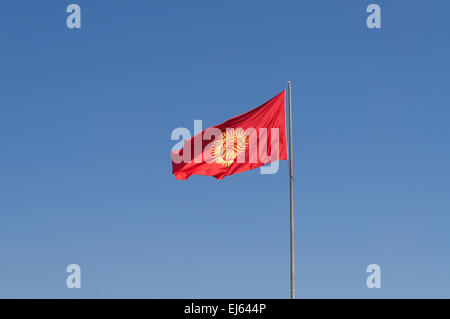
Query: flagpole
column 291, row 186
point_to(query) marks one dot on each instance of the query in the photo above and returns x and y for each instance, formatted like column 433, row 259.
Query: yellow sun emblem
column 227, row 147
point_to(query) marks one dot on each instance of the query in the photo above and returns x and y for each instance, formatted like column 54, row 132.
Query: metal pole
column 291, row 185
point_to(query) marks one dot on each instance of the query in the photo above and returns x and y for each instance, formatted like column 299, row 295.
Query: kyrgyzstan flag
column 242, row 143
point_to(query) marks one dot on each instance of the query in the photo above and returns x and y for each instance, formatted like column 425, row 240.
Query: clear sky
column 85, row 171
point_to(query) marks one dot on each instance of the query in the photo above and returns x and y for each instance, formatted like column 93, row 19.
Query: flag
column 242, row 143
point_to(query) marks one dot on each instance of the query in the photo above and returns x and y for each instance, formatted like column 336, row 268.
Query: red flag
column 242, row 143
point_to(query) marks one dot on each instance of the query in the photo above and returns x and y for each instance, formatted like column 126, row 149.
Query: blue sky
column 85, row 123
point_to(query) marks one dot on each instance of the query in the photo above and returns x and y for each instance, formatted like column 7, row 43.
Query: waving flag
column 242, row 143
